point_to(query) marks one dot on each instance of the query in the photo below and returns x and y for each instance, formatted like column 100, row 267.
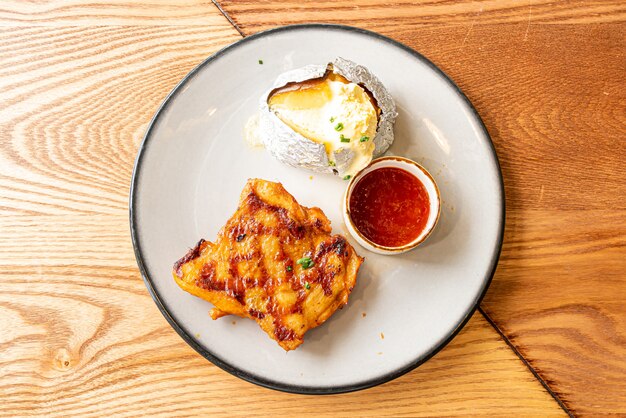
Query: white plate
column 194, row 162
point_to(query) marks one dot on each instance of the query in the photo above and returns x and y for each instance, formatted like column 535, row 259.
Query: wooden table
column 79, row 81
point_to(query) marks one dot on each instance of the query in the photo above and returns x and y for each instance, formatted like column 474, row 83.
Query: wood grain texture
column 86, row 340
column 559, row 298
column 79, row 334
column 406, row 15
column 109, row 12
column 76, row 102
column 547, row 79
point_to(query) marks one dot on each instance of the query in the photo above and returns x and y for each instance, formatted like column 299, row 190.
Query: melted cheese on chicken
column 330, row 111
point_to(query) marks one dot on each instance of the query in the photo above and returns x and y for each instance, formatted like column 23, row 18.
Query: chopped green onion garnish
column 332, row 119
column 331, row 163
column 344, row 139
column 305, row 262
column 348, row 177
column 364, row 138
column 289, row 268
column 339, row 127
column 307, row 285
column 261, row 62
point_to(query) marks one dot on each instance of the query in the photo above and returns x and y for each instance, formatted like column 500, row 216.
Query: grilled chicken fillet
column 274, row 261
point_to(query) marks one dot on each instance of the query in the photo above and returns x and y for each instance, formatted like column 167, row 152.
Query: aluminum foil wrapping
column 294, row 149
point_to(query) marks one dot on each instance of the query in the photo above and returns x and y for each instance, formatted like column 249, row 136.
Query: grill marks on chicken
column 252, row 269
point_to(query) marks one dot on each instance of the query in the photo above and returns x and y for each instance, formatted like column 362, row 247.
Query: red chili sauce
column 389, row 206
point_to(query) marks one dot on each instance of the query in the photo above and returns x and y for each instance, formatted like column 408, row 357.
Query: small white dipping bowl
column 433, row 196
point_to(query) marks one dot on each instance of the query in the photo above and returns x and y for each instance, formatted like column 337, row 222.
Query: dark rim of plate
column 234, row 370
